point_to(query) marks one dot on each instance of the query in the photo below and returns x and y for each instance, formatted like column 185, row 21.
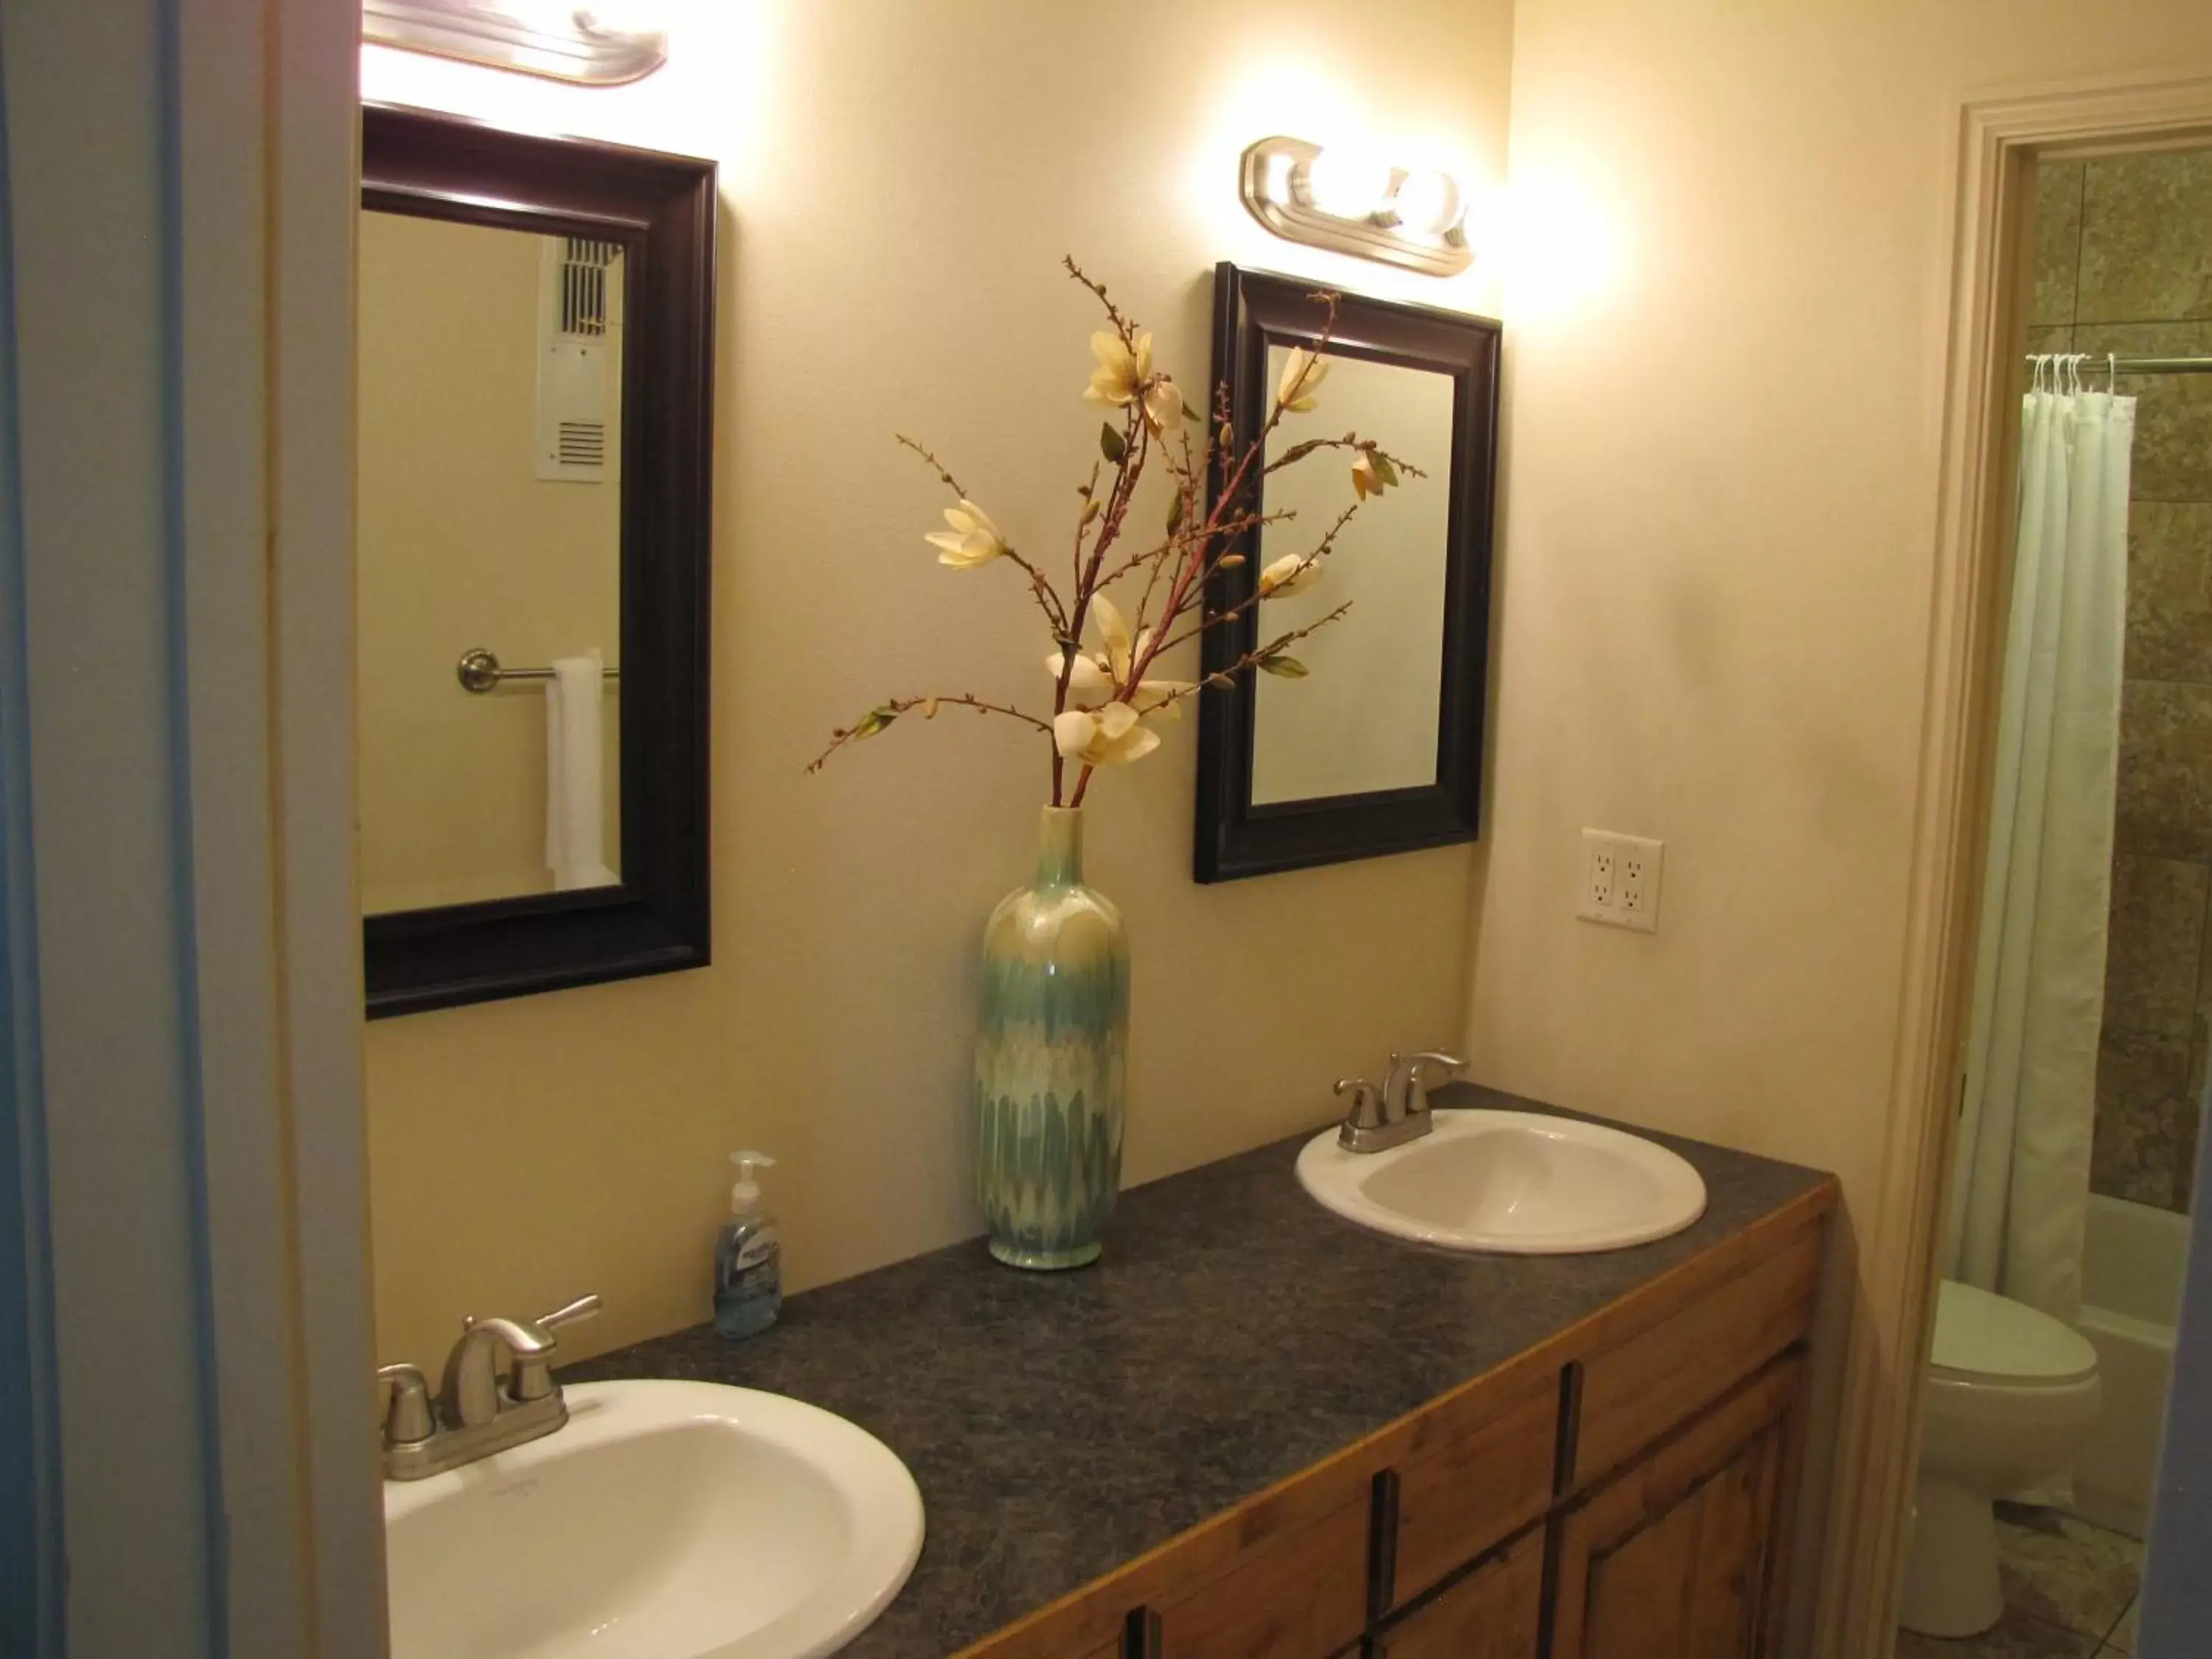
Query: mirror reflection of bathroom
column 1365, row 718
column 2067, row 1230
column 490, row 538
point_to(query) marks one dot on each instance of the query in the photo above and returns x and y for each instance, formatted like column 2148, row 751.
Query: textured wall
column 2123, row 265
column 899, row 183
column 1728, row 316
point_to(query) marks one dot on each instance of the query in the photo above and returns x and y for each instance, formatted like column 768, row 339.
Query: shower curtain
column 2020, row 1190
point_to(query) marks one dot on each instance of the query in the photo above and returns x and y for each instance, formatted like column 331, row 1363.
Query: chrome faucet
column 477, row 1414
column 1399, row 1111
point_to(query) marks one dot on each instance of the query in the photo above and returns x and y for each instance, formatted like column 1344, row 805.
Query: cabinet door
column 1494, row 1612
column 1681, row 1555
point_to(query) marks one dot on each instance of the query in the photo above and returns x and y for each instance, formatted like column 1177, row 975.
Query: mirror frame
column 1252, row 312
column 661, row 208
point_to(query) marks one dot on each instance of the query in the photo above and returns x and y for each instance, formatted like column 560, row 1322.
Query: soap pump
column 748, row 1256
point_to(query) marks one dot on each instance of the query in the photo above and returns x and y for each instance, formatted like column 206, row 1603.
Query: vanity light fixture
column 1341, row 199
column 562, row 42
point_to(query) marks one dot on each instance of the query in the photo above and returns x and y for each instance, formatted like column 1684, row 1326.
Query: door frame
column 1879, row 1440
column 202, row 1378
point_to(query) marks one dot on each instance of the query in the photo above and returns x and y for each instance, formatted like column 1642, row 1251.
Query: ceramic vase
column 1051, row 1053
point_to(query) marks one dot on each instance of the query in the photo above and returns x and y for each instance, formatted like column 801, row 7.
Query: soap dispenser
column 747, row 1257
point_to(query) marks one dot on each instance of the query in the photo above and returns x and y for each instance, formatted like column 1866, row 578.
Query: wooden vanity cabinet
column 1681, row 1555
column 1621, row 1492
column 1305, row 1595
column 1474, row 1473
column 1495, row 1611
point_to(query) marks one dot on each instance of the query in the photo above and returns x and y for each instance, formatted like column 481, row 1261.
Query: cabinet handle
column 1141, row 1636
column 1383, row 1545
column 1571, row 1423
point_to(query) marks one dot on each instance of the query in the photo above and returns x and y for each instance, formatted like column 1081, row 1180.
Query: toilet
column 2011, row 1391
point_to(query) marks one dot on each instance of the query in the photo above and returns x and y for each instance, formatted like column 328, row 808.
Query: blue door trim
column 30, row 1445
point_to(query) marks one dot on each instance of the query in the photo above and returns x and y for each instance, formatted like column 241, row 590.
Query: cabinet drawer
column 1301, row 1596
column 1470, row 1484
column 1640, row 1388
column 1494, row 1612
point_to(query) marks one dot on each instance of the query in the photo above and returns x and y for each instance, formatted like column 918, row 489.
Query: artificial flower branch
column 1104, row 693
column 884, row 712
column 971, row 534
column 1268, row 659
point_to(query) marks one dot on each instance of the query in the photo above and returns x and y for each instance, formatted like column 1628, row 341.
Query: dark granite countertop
column 1235, row 1333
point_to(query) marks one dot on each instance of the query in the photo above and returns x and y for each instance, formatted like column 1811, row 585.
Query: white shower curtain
column 2019, row 1196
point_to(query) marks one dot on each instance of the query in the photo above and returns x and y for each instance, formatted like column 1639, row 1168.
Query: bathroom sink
column 1518, row 1182
column 665, row 1521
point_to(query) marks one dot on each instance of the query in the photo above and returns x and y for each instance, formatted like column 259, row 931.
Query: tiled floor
column 2069, row 1593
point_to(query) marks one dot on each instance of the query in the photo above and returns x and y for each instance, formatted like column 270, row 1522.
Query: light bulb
column 1427, row 201
column 1347, row 185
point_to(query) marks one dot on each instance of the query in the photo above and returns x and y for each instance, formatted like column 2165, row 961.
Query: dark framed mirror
column 535, row 399
column 1378, row 747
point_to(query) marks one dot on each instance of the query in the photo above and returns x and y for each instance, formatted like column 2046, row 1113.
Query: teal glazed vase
column 1052, row 1049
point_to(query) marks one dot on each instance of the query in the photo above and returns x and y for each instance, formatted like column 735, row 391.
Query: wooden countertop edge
column 1061, row 1628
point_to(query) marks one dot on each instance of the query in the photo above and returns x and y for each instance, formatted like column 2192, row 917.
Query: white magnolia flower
column 1092, row 673
column 1106, row 670
column 1289, row 575
column 1163, row 405
column 1104, row 736
column 1114, row 631
column 1302, row 374
column 973, row 539
column 1121, row 372
column 1366, row 480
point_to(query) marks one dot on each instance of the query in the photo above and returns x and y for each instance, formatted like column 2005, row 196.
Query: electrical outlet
column 1620, row 880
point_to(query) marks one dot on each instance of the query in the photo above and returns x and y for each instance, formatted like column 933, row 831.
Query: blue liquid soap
column 747, row 1257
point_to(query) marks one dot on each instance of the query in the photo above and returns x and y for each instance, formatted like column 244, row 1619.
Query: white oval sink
column 1518, row 1182
column 666, row 1521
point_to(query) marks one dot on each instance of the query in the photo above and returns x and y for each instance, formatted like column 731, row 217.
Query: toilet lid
column 1992, row 1338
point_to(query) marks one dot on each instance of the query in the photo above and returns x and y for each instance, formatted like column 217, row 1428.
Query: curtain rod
column 2092, row 361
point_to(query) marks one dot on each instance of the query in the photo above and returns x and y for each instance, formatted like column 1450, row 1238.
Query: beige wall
column 461, row 544
column 1726, row 319
column 900, row 182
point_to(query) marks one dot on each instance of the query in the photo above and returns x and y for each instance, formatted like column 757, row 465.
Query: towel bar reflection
column 479, row 670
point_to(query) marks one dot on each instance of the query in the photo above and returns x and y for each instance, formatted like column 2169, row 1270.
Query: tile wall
column 2124, row 265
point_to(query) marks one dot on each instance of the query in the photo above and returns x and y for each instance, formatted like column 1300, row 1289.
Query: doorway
column 2085, row 1033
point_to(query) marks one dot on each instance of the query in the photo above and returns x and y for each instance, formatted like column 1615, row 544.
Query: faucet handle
column 582, row 1308
column 1366, row 1111
column 533, row 1378
column 404, row 1393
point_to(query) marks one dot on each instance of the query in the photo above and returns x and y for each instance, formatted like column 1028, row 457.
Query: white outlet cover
column 1618, row 885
